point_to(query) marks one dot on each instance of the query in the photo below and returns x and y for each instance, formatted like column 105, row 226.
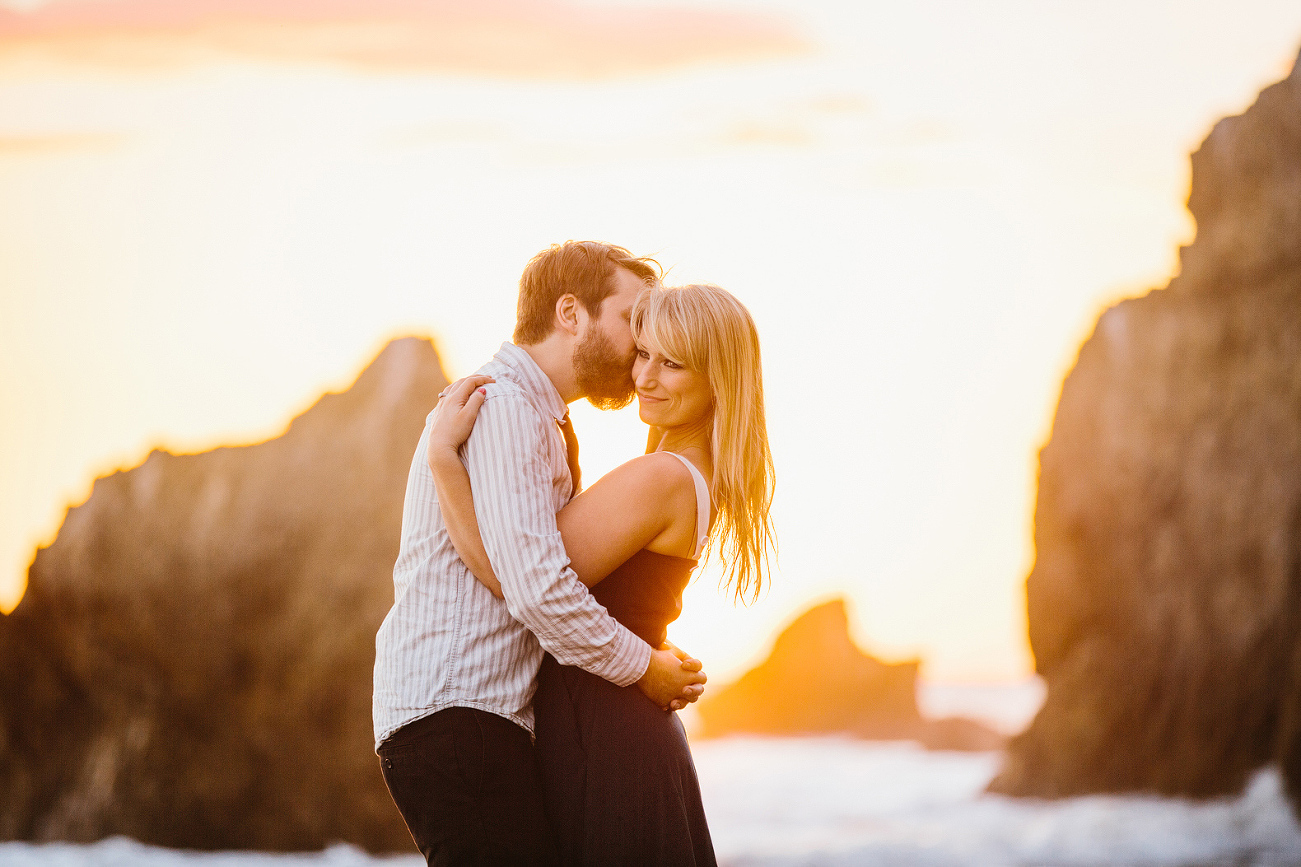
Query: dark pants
column 467, row 784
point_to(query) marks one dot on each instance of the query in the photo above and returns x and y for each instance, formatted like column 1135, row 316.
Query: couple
column 498, row 555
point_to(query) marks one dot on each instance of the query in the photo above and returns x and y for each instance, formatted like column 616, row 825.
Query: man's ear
column 567, row 314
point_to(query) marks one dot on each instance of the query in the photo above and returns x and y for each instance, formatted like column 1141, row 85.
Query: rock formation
column 191, row 663
column 817, row 681
column 1165, row 599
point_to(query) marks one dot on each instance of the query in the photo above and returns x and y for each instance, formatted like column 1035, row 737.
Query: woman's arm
column 647, row 502
column 457, row 410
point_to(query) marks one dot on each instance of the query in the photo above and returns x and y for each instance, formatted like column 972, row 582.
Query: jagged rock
column 1165, row 599
column 817, row 681
column 191, row 663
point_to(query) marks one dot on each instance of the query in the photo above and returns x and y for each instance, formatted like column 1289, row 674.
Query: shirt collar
column 537, row 385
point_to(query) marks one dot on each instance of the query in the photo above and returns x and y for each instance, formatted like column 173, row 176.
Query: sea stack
column 191, row 663
column 1165, row 598
column 816, row 681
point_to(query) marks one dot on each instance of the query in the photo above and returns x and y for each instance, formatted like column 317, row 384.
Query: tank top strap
column 702, row 506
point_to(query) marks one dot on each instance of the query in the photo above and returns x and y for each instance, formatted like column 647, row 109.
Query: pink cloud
column 527, row 38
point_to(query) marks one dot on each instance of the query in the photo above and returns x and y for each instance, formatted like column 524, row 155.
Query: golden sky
column 507, row 38
column 213, row 211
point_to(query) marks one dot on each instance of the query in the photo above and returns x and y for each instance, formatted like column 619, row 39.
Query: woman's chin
column 646, row 411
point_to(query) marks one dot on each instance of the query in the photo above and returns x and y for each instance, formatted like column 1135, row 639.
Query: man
column 455, row 665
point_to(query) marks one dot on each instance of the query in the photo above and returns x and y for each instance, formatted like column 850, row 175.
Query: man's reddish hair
column 584, row 269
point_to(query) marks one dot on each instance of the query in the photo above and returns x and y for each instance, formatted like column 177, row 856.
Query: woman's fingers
column 456, row 413
column 475, row 400
column 464, row 387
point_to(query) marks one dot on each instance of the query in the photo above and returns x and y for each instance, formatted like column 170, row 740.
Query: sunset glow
column 513, row 38
column 216, row 211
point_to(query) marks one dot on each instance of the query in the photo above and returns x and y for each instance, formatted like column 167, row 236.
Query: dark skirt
column 617, row 772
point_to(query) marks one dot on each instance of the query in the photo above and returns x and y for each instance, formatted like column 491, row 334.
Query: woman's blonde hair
column 704, row 328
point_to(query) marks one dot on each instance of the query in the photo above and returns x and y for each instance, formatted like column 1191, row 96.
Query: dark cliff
column 191, row 663
column 1165, row 599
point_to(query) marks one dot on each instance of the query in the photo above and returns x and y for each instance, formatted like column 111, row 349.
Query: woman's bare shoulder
column 655, row 474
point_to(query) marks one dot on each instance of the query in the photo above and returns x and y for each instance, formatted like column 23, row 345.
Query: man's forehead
column 627, row 287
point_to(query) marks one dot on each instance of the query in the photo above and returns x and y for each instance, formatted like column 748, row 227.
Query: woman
column 620, row 784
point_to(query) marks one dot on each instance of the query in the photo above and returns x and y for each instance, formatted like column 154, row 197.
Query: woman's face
column 668, row 394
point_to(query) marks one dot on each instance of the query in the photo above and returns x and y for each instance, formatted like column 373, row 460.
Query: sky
column 212, row 212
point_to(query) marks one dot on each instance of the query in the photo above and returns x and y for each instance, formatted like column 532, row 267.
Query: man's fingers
column 691, row 664
column 674, row 649
column 688, row 695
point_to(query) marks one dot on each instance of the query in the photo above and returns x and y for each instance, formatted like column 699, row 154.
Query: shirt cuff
column 629, row 659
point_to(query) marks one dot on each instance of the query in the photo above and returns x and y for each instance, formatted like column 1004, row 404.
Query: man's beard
column 604, row 377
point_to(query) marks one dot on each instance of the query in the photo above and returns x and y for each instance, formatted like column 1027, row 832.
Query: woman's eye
column 672, row 365
column 641, row 353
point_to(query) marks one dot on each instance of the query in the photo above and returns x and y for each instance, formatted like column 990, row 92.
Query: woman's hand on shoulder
column 458, row 407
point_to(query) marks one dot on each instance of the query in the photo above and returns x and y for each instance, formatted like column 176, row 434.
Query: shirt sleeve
column 511, row 475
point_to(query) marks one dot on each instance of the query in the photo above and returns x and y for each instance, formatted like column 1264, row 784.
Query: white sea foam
column 841, row 802
column 121, row 852
column 829, row 801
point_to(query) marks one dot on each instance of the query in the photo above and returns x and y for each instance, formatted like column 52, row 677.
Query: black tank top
column 644, row 593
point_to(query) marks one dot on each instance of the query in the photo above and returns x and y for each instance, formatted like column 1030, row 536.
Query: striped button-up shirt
column 447, row 641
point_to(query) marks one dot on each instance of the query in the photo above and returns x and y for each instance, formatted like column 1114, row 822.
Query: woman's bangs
column 664, row 330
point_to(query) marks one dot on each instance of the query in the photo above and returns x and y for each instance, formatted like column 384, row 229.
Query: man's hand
column 672, row 681
column 689, row 663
